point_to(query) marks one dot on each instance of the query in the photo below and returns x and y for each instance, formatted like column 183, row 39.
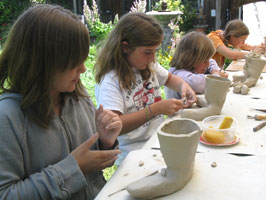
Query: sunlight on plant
column 87, row 78
column 164, row 58
column 187, row 20
column 176, row 35
column 108, row 172
column 138, row 6
column 171, row 5
column 98, row 30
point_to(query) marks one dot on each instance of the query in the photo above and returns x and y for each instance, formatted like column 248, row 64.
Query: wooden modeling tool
column 151, row 174
column 258, row 127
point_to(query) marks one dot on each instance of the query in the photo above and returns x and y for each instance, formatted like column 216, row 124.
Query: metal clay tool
column 258, row 109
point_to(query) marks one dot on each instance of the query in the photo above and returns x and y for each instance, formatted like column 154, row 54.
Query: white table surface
column 238, row 106
column 234, row 178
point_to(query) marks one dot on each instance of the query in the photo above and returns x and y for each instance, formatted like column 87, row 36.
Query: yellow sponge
column 227, row 122
column 214, row 136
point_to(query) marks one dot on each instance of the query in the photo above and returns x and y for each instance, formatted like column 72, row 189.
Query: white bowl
column 211, row 126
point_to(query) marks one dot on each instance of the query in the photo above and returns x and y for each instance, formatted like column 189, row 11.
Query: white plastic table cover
column 238, row 106
column 234, row 177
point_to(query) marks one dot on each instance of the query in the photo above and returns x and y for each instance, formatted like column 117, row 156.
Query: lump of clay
column 240, row 88
column 244, row 89
column 237, row 87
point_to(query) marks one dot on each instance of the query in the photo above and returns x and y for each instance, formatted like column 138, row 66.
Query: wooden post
column 218, row 14
column 149, row 5
column 75, row 6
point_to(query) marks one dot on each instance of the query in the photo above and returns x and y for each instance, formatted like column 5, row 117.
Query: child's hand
column 188, row 93
column 260, row 48
column 220, row 73
column 108, row 125
column 223, row 74
column 93, row 160
column 168, row 106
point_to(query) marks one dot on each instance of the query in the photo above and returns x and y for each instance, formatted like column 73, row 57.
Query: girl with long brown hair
column 48, row 124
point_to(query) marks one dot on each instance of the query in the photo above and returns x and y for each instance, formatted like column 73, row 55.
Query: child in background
column 234, row 36
column 50, row 148
column 129, row 80
column 192, row 60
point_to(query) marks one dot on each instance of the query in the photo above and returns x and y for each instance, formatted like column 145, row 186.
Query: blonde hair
column 193, row 48
column 235, row 28
column 44, row 41
column 137, row 29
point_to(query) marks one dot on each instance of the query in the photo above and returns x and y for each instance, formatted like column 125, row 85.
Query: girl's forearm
column 174, row 82
column 132, row 121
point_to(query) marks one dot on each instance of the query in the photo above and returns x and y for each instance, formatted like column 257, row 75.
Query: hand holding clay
column 188, row 93
column 220, row 73
column 223, row 74
column 167, row 106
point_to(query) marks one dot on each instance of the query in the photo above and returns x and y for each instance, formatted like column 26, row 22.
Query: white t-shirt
column 140, row 95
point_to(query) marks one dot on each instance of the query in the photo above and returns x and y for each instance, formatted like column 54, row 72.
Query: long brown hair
column 137, row 29
column 235, row 28
column 194, row 48
column 44, row 41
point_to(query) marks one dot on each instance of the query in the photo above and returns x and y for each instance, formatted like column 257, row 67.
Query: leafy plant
column 108, row 172
column 188, row 19
column 87, row 78
column 171, row 5
column 98, row 30
column 164, row 58
column 9, row 11
column 139, row 6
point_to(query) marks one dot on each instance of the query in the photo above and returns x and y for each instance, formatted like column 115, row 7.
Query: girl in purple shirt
column 192, row 60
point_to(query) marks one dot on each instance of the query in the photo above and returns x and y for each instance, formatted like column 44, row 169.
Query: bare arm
column 247, row 47
column 178, row 84
column 229, row 53
column 131, row 121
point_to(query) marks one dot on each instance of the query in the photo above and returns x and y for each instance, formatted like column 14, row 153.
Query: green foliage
column 164, row 58
column 171, row 5
column 108, row 172
column 99, row 30
column 9, row 11
column 87, row 78
column 227, row 62
column 188, row 19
